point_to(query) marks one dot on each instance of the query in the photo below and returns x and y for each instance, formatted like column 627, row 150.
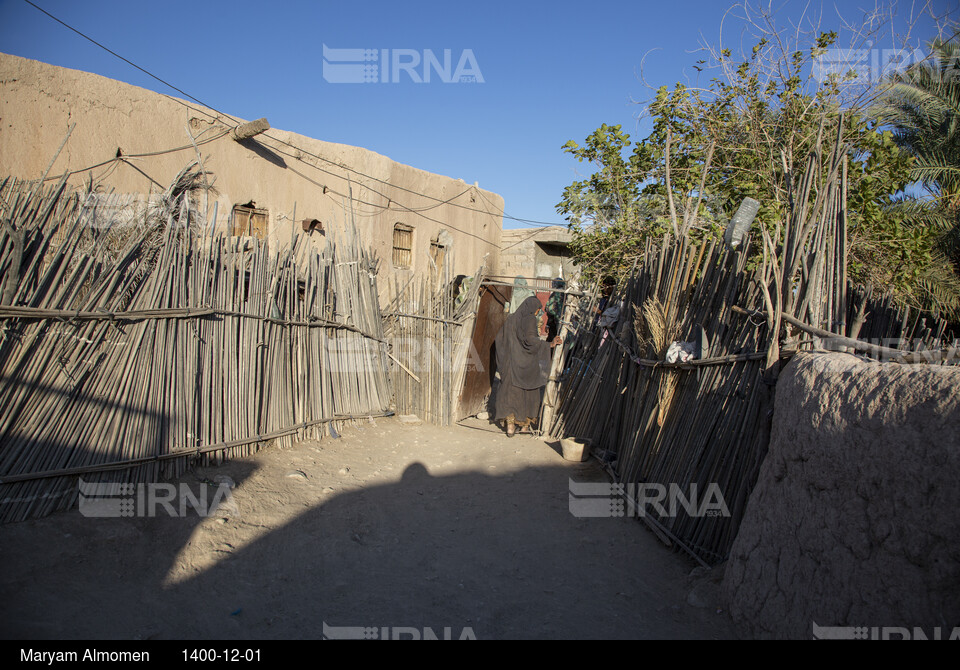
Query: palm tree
column 922, row 106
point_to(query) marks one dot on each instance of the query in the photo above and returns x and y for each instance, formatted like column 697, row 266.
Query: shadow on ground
column 460, row 554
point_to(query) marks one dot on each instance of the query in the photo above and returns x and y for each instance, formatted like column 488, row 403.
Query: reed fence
column 429, row 322
column 706, row 422
column 126, row 356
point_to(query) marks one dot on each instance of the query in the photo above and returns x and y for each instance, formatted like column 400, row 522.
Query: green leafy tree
column 748, row 133
column 606, row 212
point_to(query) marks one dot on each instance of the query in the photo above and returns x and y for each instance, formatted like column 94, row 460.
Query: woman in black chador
column 523, row 360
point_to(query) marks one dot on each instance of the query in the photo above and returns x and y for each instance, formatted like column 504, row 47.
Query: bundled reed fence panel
column 429, row 323
column 128, row 355
column 703, row 425
column 690, row 425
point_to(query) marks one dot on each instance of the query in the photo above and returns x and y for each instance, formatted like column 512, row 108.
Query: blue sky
column 552, row 71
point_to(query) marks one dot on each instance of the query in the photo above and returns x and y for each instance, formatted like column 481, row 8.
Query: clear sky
column 550, row 71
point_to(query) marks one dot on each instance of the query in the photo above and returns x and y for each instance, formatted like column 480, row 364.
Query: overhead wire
column 148, row 154
column 401, row 188
column 501, row 212
column 114, row 53
column 352, row 198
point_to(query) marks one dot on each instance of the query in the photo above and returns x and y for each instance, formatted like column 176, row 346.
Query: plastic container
column 575, row 449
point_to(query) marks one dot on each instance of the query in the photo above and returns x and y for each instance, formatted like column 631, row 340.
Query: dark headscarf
column 522, row 357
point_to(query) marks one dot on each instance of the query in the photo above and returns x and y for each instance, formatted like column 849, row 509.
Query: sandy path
column 392, row 526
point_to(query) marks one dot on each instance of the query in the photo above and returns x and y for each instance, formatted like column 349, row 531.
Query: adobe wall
column 855, row 520
column 39, row 102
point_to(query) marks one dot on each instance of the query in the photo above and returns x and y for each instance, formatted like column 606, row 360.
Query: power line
column 439, row 201
column 401, row 188
column 86, row 37
column 513, row 218
column 446, row 224
column 148, row 154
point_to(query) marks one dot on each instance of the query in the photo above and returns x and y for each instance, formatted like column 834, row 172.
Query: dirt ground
column 393, row 528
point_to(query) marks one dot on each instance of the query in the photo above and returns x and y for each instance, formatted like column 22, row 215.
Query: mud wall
column 854, row 524
column 132, row 140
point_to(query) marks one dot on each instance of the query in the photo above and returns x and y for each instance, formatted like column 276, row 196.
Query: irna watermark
column 883, row 633
column 595, row 499
column 395, row 66
column 871, row 65
column 155, row 499
column 396, row 633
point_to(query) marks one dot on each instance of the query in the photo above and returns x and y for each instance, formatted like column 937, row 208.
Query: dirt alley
column 391, row 525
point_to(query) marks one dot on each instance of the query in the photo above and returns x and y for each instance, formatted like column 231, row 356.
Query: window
column 402, row 245
column 437, row 252
column 249, row 220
